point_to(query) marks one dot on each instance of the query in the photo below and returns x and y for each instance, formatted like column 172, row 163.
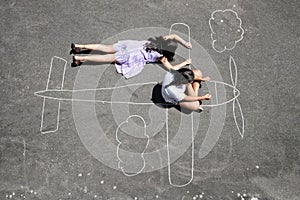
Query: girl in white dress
column 181, row 87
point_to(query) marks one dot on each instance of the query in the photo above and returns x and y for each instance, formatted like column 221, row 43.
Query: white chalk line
column 236, row 91
column 212, row 31
column 99, row 89
column 216, row 92
column 189, row 31
column 168, row 153
column 241, row 131
column 119, row 144
column 95, row 89
column 44, row 99
column 192, row 126
column 234, row 83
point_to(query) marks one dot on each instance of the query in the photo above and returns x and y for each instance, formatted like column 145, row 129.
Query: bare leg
column 194, row 105
column 196, row 86
column 97, row 58
column 99, row 47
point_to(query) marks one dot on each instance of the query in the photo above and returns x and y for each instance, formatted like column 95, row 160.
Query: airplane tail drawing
column 51, row 108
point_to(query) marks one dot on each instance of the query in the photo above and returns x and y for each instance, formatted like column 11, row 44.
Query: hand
column 188, row 61
column 163, row 59
column 206, row 97
column 188, row 45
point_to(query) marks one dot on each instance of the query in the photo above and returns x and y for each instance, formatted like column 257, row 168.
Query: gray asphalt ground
column 265, row 162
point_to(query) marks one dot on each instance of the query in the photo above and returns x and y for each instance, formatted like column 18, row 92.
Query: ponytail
column 165, row 47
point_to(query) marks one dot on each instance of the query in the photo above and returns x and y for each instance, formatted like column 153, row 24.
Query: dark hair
column 182, row 76
column 165, row 47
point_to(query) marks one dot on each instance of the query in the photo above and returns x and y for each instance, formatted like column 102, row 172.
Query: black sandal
column 74, row 49
column 75, row 62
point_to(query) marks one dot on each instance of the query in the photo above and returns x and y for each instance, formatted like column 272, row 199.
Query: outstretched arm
column 183, row 64
column 178, row 39
column 169, row 66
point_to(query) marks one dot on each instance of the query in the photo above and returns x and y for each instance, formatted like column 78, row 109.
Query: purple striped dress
column 131, row 57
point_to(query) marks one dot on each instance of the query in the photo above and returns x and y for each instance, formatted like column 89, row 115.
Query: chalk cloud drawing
column 226, row 30
column 126, row 163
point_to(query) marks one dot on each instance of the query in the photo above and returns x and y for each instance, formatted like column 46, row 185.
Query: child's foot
column 206, row 97
column 75, row 62
column 206, row 79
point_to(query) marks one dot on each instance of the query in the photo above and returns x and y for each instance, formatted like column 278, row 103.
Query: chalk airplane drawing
column 52, row 94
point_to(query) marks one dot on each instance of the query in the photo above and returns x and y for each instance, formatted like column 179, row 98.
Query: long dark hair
column 165, row 47
column 182, row 76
